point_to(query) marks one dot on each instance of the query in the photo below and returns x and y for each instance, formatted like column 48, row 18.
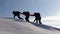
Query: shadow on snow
column 45, row 26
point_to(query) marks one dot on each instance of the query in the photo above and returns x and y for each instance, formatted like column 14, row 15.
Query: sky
column 49, row 9
column 45, row 7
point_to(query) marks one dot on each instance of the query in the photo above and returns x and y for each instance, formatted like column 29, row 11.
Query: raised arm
column 31, row 15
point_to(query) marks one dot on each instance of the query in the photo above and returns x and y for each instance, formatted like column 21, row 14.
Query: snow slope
column 16, row 26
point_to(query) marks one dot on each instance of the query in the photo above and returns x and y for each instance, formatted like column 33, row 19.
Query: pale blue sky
column 45, row 7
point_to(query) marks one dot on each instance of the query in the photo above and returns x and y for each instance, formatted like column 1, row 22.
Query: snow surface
column 16, row 26
column 52, row 21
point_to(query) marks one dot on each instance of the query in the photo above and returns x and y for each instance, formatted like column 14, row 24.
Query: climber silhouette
column 17, row 13
column 37, row 17
column 27, row 14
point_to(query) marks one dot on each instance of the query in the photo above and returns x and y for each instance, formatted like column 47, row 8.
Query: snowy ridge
column 16, row 26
